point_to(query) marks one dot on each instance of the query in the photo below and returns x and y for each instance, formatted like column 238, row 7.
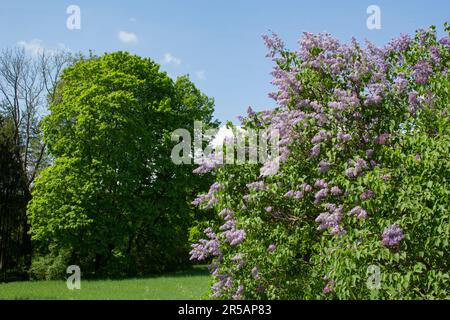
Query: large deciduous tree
column 112, row 201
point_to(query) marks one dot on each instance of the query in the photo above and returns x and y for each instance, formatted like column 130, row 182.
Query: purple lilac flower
column 270, row 168
column 344, row 136
column 413, row 102
column 271, row 248
column 321, row 184
column 205, row 248
column 289, row 194
column 234, row 237
column 239, row 292
column 320, row 137
column 367, row 195
column 226, row 214
column 382, row 138
column 269, row 209
column 298, row 195
column 445, row 41
column 351, row 172
column 255, row 273
column 400, row 44
column 315, row 151
column 208, row 163
column 323, row 193
column 324, row 166
column 335, row 191
column 361, row 164
column 257, row 185
column 435, row 54
column 359, row 212
column 422, row 71
column 210, row 197
column 274, row 44
column 331, row 220
column 306, row 187
column 401, row 83
column 250, row 112
column 392, row 235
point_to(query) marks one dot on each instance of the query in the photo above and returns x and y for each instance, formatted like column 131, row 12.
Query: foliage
column 112, row 196
column 363, row 181
column 15, row 246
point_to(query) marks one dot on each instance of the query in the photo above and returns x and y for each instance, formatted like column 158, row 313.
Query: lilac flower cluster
column 336, row 191
column 392, row 236
column 306, row 187
column 205, row 248
column 344, row 136
column 320, row 137
column 209, row 163
column 294, row 194
column 359, row 212
column 422, row 71
column 238, row 294
column 357, row 169
column 324, row 166
column 210, row 198
column 257, row 186
column 331, row 219
column 255, row 273
column 225, row 282
column 233, row 236
column 367, row 195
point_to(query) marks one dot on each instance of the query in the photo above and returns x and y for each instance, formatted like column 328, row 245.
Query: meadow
column 186, row 285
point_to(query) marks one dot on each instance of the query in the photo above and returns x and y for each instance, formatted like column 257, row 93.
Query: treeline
column 26, row 89
column 15, row 244
column 92, row 182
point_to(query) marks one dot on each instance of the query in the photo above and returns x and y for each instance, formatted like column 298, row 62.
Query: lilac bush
column 350, row 190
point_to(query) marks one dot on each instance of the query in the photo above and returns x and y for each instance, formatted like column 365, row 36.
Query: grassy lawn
column 192, row 284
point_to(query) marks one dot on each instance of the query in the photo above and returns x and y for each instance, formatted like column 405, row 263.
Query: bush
column 359, row 207
column 51, row 266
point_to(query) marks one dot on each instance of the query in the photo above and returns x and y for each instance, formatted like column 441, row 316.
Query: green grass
column 190, row 285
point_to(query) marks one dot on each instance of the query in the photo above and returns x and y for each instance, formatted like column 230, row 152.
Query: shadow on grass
column 191, row 271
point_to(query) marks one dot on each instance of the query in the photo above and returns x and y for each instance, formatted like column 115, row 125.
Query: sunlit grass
column 192, row 284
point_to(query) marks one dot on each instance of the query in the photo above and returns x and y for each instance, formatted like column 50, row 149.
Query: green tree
column 112, row 197
column 15, row 246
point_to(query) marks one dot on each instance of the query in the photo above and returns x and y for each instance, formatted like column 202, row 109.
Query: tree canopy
column 112, row 201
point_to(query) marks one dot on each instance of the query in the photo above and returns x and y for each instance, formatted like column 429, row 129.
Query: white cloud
column 33, row 47
column 170, row 59
column 127, row 37
column 133, row 19
column 200, row 74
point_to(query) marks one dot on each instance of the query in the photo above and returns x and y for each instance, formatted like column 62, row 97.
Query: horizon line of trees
column 86, row 176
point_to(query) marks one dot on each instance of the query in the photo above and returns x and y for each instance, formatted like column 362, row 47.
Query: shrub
column 363, row 178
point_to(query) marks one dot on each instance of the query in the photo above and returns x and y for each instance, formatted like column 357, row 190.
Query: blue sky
column 218, row 43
